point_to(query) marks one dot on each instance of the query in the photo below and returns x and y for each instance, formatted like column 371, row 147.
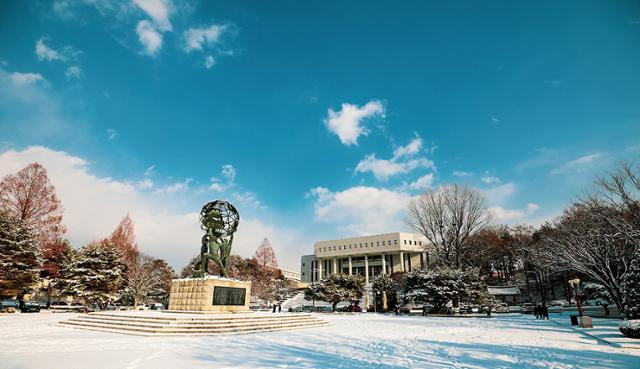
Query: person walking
column 279, row 307
column 274, row 308
column 536, row 311
column 545, row 311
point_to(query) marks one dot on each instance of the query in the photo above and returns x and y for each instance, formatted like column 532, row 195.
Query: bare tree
column 124, row 237
column 265, row 256
column 447, row 217
column 30, row 197
column 582, row 241
column 149, row 277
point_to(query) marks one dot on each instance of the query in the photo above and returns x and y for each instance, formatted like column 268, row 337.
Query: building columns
column 320, row 262
column 384, row 264
column 350, row 266
column 366, row 269
column 334, row 266
column 425, row 261
column 402, row 261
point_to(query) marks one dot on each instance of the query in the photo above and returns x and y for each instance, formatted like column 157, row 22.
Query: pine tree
column 20, row 259
column 336, row 288
column 96, row 274
column 439, row 286
column 631, row 288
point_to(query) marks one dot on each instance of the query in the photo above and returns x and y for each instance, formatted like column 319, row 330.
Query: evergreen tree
column 336, row 288
column 631, row 288
column 96, row 274
column 384, row 283
column 439, row 286
column 20, row 259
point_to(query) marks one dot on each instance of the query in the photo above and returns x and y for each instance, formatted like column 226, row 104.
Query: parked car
column 9, row 305
column 30, row 307
column 501, row 308
column 527, row 308
column 157, row 306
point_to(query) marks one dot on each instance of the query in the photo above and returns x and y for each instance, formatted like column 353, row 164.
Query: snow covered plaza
column 351, row 341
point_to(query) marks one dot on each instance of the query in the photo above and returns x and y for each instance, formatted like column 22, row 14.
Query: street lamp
column 575, row 283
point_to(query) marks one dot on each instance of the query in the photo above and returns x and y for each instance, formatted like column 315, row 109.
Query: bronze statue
column 219, row 219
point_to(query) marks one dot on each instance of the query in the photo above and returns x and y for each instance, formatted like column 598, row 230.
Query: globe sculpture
column 219, row 219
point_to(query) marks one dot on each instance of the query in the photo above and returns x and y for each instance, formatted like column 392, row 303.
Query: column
column 350, row 266
column 384, row 264
column 402, row 261
column 334, row 267
column 366, row 269
column 320, row 269
column 425, row 262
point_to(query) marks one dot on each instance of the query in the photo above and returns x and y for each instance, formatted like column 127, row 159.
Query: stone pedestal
column 586, row 322
column 210, row 294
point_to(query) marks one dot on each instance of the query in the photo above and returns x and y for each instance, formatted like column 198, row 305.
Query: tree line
column 596, row 238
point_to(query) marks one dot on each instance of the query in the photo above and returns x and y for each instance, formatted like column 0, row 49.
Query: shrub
column 630, row 328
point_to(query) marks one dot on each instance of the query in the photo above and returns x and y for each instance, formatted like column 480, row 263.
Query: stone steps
column 153, row 325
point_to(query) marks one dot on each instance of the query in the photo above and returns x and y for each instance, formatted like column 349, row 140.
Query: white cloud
column 489, row 179
column 94, row 205
column 495, row 120
column 44, row 52
column 111, row 134
column 174, row 188
column 149, row 37
column 159, row 11
column 499, row 194
column 198, row 38
column 150, row 170
column 209, row 61
column 347, row 123
column 580, row 165
column 145, row 184
column 501, row 214
column 462, row 174
column 403, row 160
column 422, row 183
column 74, row 71
column 247, row 198
column 361, row 210
column 412, row 148
column 26, row 78
column 228, row 172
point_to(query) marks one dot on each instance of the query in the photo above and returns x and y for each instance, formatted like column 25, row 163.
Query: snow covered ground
column 351, row 341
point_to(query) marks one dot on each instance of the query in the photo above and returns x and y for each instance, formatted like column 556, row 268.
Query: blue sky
column 318, row 119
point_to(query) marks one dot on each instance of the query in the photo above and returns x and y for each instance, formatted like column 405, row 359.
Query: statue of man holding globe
column 219, row 219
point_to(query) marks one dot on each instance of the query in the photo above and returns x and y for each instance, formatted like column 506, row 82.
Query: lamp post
column 313, row 295
column 575, row 283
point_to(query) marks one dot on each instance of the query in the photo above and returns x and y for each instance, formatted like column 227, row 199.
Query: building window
column 409, row 242
column 382, row 243
column 302, row 264
column 366, row 245
column 339, row 247
column 420, row 243
column 334, row 248
column 395, row 242
column 377, row 243
column 303, row 273
column 405, row 242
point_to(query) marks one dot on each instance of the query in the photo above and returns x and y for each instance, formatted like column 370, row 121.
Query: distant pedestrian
column 545, row 311
column 279, row 307
column 274, row 308
column 396, row 310
column 424, row 310
column 605, row 306
column 536, row 311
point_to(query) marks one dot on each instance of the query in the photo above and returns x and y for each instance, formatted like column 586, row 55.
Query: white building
column 367, row 256
column 290, row 275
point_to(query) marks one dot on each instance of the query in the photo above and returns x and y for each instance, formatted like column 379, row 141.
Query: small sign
column 228, row 296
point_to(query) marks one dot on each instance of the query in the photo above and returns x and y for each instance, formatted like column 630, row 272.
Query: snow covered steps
column 155, row 324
